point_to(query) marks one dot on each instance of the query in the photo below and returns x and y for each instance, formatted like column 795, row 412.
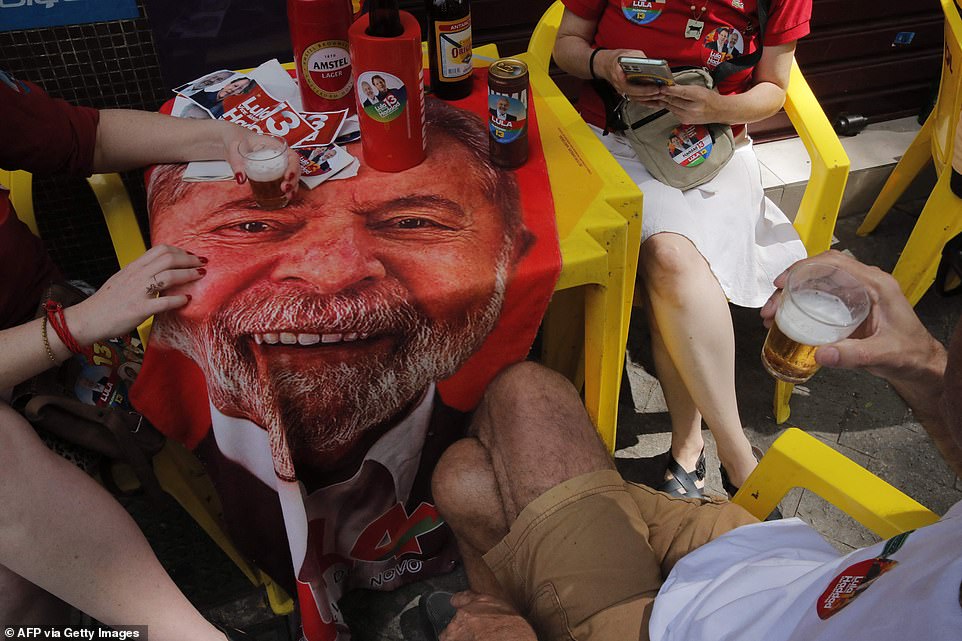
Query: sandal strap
column 684, row 479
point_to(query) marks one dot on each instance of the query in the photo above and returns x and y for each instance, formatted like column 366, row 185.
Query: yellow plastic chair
column 178, row 472
column 941, row 218
column 818, row 211
column 599, row 225
column 796, row 459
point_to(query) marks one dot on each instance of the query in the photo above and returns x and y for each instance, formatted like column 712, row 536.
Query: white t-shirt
column 780, row 581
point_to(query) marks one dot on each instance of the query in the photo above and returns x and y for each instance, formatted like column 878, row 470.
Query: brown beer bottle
column 449, row 47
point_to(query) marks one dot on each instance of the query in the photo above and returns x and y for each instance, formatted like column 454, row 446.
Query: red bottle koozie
column 389, row 89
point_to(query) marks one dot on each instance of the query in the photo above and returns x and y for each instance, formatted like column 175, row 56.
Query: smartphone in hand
column 641, row 71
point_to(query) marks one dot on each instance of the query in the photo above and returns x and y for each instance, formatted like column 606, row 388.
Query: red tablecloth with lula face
column 317, row 335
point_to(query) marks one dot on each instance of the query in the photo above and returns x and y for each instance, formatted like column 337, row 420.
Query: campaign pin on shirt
column 642, row 12
column 695, row 25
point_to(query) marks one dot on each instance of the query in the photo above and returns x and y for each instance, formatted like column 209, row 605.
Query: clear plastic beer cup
column 820, row 304
column 265, row 161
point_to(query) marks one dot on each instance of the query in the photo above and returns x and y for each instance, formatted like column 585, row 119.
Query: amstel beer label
column 326, row 67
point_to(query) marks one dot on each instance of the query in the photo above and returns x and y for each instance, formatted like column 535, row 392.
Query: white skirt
column 744, row 236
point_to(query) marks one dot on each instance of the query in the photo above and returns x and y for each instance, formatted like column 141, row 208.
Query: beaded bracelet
column 46, row 341
column 58, row 321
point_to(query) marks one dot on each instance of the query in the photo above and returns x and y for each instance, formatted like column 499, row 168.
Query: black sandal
column 683, row 482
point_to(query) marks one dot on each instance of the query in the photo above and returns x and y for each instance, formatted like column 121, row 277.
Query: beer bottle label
column 381, row 95
column 507, row 115
column 453, row 40
column 326, row 67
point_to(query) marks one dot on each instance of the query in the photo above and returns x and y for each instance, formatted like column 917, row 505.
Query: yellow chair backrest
column 945, row 113
column 544, row 35
column 796, row 459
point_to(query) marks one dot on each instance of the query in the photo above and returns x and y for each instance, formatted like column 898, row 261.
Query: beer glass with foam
column 265, row 161
column 820, row 304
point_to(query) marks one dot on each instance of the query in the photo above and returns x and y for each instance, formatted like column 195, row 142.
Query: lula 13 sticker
column 846, row 587
column 382, row 96
column 723, row 43
column 856, row 578
column 689, row 145
column 507, row 116
column 642, row 11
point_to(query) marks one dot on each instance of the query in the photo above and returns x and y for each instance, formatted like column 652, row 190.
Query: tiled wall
column 106, row 64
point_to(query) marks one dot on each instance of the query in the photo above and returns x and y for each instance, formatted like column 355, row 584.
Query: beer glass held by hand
column 820, row 304
column 265, row 161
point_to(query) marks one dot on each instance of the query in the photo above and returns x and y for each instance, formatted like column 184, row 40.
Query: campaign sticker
column 642, row 11
column 689, row 145
column 382, row 95
column 723, row 44
column 853, row 580
column 507, row 117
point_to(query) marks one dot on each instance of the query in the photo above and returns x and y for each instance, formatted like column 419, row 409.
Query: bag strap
column 741, row 63
column 611, row 100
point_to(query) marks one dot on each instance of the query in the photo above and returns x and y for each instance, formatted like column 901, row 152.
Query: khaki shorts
column 587, row 558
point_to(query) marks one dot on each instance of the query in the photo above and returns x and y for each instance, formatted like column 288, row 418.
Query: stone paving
column 853, row 412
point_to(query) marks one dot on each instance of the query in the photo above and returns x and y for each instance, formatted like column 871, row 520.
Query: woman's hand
column 134, row 294
column 607, row 67
column 233, row 135
column 693, row 105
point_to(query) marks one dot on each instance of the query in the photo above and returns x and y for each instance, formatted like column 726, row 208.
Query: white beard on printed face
column 326, row 406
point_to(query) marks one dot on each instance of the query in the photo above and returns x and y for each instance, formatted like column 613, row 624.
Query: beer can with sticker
column 508, row 112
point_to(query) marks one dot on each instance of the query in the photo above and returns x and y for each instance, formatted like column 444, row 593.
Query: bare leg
column 531, row 433
column 66, row 534
column 693, row 319
column 686, row 438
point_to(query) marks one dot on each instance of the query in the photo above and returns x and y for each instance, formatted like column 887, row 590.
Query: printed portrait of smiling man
column 330, row 320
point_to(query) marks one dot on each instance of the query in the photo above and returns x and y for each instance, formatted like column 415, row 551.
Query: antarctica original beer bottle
column 449, row 47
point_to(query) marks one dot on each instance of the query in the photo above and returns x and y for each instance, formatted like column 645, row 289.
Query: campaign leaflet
column 241, row 99
column 104, row 377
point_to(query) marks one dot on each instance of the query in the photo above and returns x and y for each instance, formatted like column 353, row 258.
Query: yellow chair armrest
column 818, row 210
column 20, row 184
column 122, row 224
column 119, row 216
column 796, row 459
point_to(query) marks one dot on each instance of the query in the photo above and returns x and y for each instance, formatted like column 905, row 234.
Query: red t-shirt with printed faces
column 658, row 28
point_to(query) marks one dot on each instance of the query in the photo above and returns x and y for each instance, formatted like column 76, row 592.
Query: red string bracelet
column 57, row 320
